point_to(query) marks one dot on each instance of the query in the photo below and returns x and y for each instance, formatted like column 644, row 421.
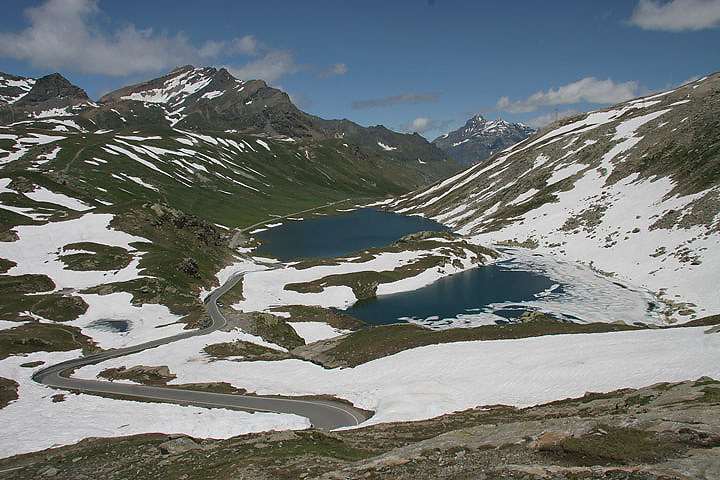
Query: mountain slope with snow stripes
column 633, row 190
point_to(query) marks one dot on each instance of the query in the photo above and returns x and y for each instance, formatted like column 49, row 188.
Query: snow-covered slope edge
column 633, row 190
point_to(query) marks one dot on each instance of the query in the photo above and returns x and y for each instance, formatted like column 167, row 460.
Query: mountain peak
column 475, row 121
column 54, row 86
column 480, row 138
column 51, row 95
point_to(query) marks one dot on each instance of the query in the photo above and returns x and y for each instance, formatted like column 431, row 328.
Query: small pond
column 119, row 326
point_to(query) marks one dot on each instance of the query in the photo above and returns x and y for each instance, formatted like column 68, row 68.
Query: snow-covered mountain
column 480, row 138
column 633, row 190
column 190, row 97
column 205, row 99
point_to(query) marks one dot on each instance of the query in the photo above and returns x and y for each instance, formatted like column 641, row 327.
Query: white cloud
column 274, row 65
column 590, row 90
column 300, row 100
column 337, row 69
column 61, row 36
column 676, row 15
column 248, row 45
column 421, row 125
column 543, row 120
column 211, row 49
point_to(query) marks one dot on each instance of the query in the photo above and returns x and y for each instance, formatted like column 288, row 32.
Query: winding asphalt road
column 324, row 414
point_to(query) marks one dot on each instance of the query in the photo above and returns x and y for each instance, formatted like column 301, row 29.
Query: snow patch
column 42, row 194
column 36, row 251
column 314, row 331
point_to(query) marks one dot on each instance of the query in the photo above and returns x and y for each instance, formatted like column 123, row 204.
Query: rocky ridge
column 199, row 99
column 210, row 98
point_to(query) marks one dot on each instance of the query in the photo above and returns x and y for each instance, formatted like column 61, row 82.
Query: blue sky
column 420, row 65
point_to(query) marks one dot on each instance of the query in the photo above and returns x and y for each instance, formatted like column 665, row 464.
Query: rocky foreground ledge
column 664, row 431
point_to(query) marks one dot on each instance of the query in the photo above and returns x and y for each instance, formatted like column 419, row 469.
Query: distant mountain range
column 632, row 189
column 202, row 99
column 478, row 139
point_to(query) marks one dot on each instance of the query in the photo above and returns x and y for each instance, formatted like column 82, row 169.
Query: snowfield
column 38, row 252
column 429, row 381
column 35, row 422
column 145, row 323
column 44, row 195
column 638, row 261
column 314, row 331
column 38, row 247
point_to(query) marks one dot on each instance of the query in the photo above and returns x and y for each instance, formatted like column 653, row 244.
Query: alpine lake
column 447, row 300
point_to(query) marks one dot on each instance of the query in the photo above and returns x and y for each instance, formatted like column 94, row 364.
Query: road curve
column 324, row 414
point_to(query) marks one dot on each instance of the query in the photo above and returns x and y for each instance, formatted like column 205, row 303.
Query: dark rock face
column 47, row 93
column 56, row 89
column 478, row 139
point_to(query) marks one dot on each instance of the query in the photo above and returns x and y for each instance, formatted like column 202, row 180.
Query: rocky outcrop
column 140, row 373
column 53, row 91
column 8, row 391
column 202, row 230
column 178, row 446
column 189, row 267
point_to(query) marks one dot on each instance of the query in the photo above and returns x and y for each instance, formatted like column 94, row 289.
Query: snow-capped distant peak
column 479, row 138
